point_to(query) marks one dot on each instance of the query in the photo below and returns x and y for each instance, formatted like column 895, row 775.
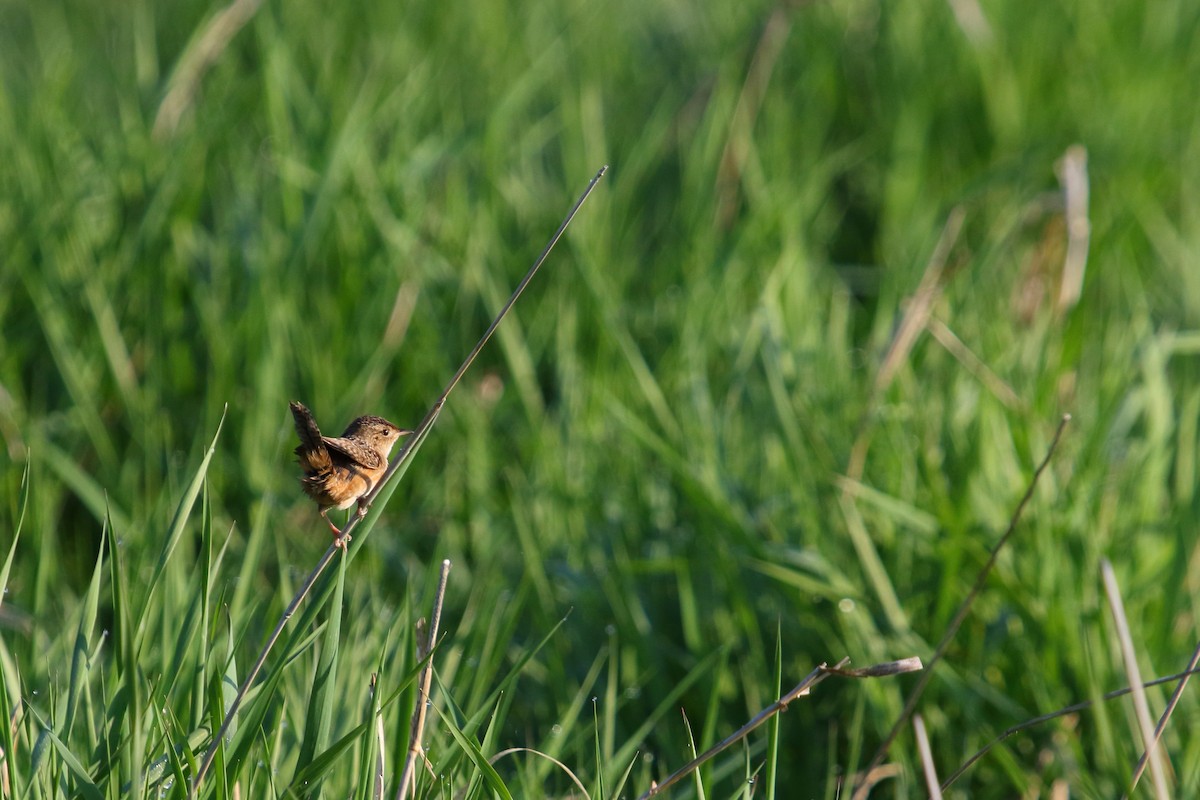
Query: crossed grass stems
column 386, row 485
column 917, row 318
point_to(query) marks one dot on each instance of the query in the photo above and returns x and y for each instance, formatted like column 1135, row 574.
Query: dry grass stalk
column 417, row 730
column 802, row 689
column 1141, row 707
column 927, row 767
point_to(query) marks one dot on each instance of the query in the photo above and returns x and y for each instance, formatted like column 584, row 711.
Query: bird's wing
column 355, row 451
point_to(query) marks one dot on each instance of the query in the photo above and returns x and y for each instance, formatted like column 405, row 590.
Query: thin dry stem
column 802, row 689
column 931, row 778
column 417, row 729
column 884, row 670
column 1062, row 712
column 1141, row 706
column 960, row 616
column 974, row 364
column 1166, row 715
column 432, row 415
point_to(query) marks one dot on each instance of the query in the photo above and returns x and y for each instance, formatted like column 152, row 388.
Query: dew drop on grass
column 610, row 629
column 556, row 730
column 846, row 605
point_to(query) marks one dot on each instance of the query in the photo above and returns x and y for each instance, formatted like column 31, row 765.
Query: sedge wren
column 340, row 472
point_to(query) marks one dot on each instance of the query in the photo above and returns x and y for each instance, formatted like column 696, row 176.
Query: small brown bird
column 340, row 472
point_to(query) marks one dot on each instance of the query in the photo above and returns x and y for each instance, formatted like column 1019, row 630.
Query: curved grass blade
column 84, row 784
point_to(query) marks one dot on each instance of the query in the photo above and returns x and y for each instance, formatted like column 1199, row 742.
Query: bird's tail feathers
column 312, row 451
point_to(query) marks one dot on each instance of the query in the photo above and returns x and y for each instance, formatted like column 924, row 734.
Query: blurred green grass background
column 651, row 447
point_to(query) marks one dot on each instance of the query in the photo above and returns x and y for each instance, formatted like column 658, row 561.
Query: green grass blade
column 10, row 680
column 505, row 683
column 666, row 704
column 82, row 780
column 124, row 712
column 23, row 506
column 89, row 491
column 306, row 781
column 324, row 688
column 9, row 671
column 773, row 739
column 485, row 770
column 619, row 786
column 74, row 366
column 80, row 655
column 229, row 684
column 183, row 511
column 156, row 772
